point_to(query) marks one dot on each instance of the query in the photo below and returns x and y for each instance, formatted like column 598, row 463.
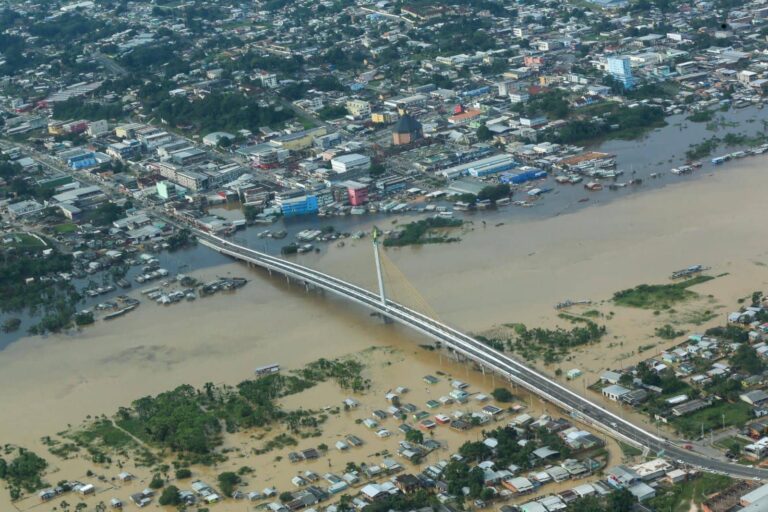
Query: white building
column 98, row 128
column 350, row 163
column 359, row 108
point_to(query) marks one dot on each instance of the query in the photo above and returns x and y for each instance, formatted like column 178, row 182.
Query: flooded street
column 515, row 272
column 512, row 273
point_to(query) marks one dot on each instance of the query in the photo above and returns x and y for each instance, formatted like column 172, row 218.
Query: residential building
column 359, row 108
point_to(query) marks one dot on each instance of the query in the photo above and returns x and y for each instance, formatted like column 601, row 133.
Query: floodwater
column 498, row 274
column 667, row 145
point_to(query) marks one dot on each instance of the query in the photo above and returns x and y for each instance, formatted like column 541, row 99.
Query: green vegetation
column 483, row 133
column 65, row 228
column 729, row 332
column 620, row 123
column 227, row 482
column 414, row 436
column 183, row 474
column 221, row 112
column 714, row 417
column 706, row 147
column 332, row 112
column 552, row 344
column 76, row 108
column 157, row 482
column 502, row 395
column 181, row 238
column 732, row 444
column 494, row 192
column 630, row 451
column 745, row 358
column 658, row 296
column 23, row 472
column 11, row 325
column 250, row 212
column 102, row 438
column 279, row 442
column 678, row 498
column 55, row 297
column 667, row 332
column 702, row 116
column 422, row 232
column 170, row 496
column 702, row 149
column 105, row 214
column 84, row 318
column 190, row 421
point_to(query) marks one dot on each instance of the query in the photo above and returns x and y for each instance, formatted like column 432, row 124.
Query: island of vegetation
column 433, row 230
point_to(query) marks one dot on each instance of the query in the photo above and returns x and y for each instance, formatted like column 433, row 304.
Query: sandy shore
column 512, row 273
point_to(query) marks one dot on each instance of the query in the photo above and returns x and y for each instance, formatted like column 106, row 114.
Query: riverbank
column 511, row 273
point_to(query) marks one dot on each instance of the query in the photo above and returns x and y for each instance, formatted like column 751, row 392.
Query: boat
column 120, row 312
column 305, row 248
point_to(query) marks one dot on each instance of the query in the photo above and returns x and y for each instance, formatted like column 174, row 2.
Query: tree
column 250, row 212
column 414, row 436
column 227, row 481
column 106, row 214
column 157, row 482
column 377, row 169
column 484, row 133
column 621, row 501
column 746, row 358
column 286, row 496
column 170, row 496
column 494, row 192
column 84, row 318
column 475, row 450
column 183, row 473
column 502, row 395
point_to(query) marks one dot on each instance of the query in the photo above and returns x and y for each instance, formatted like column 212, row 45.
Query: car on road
column 688, row 446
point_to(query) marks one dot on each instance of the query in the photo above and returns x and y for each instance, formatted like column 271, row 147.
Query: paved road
column 109, row 64
column 529, row 378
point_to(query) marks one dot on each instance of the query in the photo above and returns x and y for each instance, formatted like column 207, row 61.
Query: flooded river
column 513, row 272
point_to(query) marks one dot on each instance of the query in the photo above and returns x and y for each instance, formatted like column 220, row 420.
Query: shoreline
column 515, row 272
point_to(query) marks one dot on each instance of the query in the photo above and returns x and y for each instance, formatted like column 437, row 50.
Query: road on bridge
column 531, row 379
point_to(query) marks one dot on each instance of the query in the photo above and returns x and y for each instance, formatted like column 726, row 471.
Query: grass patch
column 697, row 317
column 630, row 451
column 734, row 414
column 65, row 228
column 677, row 498
column 727, row 443
column 104, row 432
column 658, row 296
column 23, row 240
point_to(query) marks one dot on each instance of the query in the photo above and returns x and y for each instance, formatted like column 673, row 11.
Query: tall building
column 620, row 70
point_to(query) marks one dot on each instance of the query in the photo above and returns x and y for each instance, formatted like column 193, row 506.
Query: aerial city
column 393, row 255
